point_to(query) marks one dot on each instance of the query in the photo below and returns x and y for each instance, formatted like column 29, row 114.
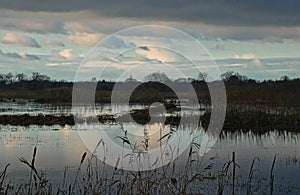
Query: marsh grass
column 251, row 173
column 95, row 177
column 272, row 176
column 2, row 178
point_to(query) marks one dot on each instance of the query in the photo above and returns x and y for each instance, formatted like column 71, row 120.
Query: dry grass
column 93, row 177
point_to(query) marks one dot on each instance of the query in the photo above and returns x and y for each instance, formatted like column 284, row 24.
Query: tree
column 232, row 77
column 284, row 78
column 44, row 78
column 21, row 77
column 202, row 76
column 94, row 80
column 157, row 77
column 36, row 76
column 9, row 77
column 225, row 76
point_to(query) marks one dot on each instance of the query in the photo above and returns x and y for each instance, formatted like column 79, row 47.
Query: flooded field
column 33, row 108
column 60, row 148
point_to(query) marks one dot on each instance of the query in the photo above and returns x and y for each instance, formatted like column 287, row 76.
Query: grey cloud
column 226, row 12
column 272, row 67
column 31, row 22
column 118, row 42
column 267, row 63
column 31, row 57
column 53, row 42
column 19, row 55
column 144, row 48
column 89, row 22
column 220, row 47
column 12, row 38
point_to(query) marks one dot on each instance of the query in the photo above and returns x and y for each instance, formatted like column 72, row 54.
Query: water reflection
column 62, row 146
column 33, row 108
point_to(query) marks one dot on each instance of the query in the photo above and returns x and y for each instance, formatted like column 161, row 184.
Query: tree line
column 229, row 77
column 10, row 78
column 239, row 88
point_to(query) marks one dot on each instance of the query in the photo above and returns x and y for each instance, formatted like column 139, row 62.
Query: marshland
column 42, row 151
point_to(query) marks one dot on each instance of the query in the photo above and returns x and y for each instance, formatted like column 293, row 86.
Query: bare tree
column 9, row 77
column 21, row 77
column 2, row 77
column 157, row 77
column 284, row 78
column 36, row 76
column 202, row 76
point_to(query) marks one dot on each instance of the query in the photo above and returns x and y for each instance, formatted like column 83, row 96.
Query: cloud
column 145, row 48
column 157, row 54
column 117, row 42
column 244, row 56
column 12, row 38
column 233, row 65
column 19, row 55
column 257, row 62
column 66, row 53
column 226, row 12
column 40, row 22
column 38, row 25
column 254, row 60
column 220, row 47
column 86, row 39
column 88, row 21
column 78, row 27
column 59, row 63
column 53, row 42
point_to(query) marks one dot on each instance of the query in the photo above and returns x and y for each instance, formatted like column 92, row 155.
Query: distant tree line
column 10, row 78
column 239, row 88
column 36, row 81
column 229, row 77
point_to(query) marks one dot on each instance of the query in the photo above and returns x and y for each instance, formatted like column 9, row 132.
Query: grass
column 93, row 177
column 250, row 175
column 258, row 120
column 255, row 120
column 272, row 176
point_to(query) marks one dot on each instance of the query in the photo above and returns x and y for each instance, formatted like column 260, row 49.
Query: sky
column 259, row 39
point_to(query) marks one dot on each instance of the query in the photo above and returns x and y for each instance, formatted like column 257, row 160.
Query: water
column 32, row 108
column 62, row 147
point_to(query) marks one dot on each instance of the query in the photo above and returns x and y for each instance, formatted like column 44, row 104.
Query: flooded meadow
column 60, row 148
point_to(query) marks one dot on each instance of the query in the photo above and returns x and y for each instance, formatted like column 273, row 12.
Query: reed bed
column 95, row 177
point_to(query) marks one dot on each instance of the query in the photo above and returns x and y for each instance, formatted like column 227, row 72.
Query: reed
column 78, row 170
column 272, row 176
column 2, row 178
column 233, row 172
column 250, row 175
column 97, row 179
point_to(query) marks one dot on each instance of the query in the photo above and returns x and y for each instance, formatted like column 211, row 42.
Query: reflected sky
column 62, row 146
column 32, row 108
